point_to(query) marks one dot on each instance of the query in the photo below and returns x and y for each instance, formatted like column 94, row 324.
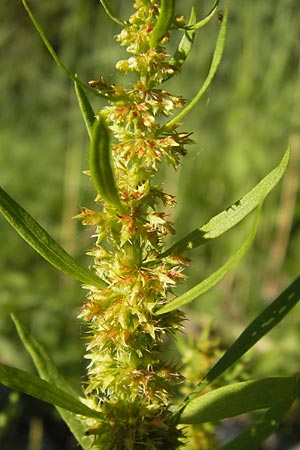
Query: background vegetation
column 241, row 128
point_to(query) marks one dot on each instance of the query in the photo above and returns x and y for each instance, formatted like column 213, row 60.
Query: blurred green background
column 241, row 128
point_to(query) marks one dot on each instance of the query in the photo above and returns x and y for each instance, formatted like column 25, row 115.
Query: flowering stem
column 128, row 381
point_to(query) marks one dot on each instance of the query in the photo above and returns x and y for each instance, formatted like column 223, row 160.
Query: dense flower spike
column 129, row 401
column 128, row 381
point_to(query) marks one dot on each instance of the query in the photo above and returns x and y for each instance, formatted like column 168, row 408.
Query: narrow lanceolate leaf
column 49, row 372
column 258, row 328
column 110, row 13
column 30, row 384
column 185, row 45
column 100, row 165
column 207, row 18
column 85, row 108
column 42, row 242
column 163, row 23
column 227, row 219
column 56, row 58
column 239, row 398
column 213, row 279
column 217, row 56
column 261, row 429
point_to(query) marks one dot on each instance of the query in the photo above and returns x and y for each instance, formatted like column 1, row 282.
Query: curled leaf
column 85, row 108
column 100, row 165
column 164, row 21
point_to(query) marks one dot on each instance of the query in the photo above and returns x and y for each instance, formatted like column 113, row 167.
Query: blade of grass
column 217, row 56
column 28, row 228
column 258, row 328
column 49, row 372
column 30, row 384
column 230, row 217
column 214, row 278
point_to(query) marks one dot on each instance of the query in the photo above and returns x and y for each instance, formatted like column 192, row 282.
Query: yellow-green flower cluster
column 128, row 380
column 149, row 63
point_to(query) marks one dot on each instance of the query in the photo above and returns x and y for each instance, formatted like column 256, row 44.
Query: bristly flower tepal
column 127, row 379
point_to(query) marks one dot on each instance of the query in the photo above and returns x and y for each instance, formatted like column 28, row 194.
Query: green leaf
column 163, row 22
column 239, row 398
column 260, row 430
column 56, row 58
column 206, row 19
column 227, row 219
column 42, row 242
column 260, row 326
column 217, row 56
column 100, row 165
column 85, row 108
column 110, row 13
column 30, row 384
column 185, row 45
column 49, row 372
column 213, row 279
